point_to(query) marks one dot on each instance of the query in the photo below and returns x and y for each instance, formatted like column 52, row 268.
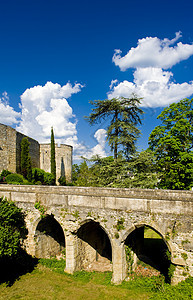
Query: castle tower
column 63, row 155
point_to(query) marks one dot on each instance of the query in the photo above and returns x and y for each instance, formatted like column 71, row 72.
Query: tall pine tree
column 124, row 116
column 53, row 155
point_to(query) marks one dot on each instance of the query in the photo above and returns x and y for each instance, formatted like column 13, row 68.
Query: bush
column 39, row 176
column 12, row 228
column 62, row 180
column 49, row 179
column 4, row 173
column 14, row 178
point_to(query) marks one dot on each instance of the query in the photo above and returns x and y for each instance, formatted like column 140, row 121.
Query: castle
column 10, row 153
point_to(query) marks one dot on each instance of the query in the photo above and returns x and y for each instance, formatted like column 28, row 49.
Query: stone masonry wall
column 7, row 148
column 63, row 155
column 10, row 153
column 34, row 151
column 10, row 149
column 167, row 212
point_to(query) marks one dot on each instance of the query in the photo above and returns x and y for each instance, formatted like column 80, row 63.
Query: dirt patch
column 146, row 271
column 101, row 265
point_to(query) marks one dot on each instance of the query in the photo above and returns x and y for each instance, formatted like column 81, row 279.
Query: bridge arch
column 49, row 237
column 94, row 247
column 147, row 244
column 153, row 226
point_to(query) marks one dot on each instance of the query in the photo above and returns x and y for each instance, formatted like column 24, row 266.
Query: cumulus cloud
column 45, row 106
column 153, row 52
column 99, row 149
column 8, row 115
column 81, row 150
column 151, row 82
column 155, row 86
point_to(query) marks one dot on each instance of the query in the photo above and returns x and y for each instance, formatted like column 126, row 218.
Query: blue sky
column 55, row 56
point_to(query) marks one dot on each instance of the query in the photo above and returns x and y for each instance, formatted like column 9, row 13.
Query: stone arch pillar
column 71, row 252
column 119, row 261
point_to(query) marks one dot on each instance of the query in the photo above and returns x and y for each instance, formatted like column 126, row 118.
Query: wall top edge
column 56, row 145
column 148, row 194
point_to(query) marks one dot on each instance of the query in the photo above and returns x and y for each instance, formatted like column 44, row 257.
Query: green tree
column 142, row 170
column 124, row 116
column 12, row 228
column 172, row 143
column 26, row 168
column 81, row 174
column 138, row 172
column 53, row 158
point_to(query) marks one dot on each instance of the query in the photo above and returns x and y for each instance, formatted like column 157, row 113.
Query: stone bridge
column 95, row 227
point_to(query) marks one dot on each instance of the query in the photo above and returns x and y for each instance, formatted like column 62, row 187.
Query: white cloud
column 84, row 151
column 8, row 115
column 113, row 82
column 46, row 106
column 153, row 52
column 151, row 82
column 155, row 86
column 100, row 136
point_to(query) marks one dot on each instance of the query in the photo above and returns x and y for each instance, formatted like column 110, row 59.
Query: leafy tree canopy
column 12, row 228
column 124, row 116
column 138, row 172
column 172, row 143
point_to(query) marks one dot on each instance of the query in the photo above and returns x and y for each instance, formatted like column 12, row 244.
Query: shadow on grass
column 11, row 268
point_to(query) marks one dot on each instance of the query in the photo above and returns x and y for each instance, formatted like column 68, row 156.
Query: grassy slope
column 48, row 281
column 43, row 283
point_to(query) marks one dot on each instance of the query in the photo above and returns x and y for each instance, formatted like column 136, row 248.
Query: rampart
column 10, row 149
column 10, row 153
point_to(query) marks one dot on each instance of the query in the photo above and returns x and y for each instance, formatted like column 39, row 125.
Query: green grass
column 43, row 283
column 151, row 234
column 48, row 281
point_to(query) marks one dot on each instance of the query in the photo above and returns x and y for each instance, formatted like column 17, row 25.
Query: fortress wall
column 34, row 151
column 10, row 153
column 45, row 154
column 7, row 148
column 63, row 154
column 64, row 162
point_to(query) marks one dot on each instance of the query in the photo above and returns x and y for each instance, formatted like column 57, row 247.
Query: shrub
column 62, row 180
column 12, row 228
column 14, row 178
column 4, row 173
column 39, row 176
column 49, row 179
